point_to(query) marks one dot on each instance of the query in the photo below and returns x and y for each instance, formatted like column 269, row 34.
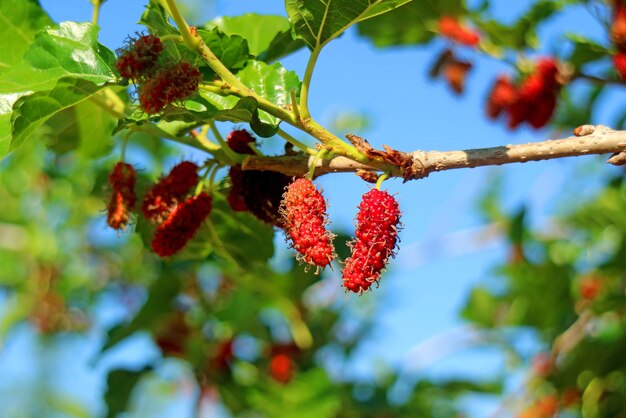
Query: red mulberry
column 172, row 84
column 376, row 236
column 304, row 220
column 502, row 95
column 181, row 225
column 282, row 368
column 140, row 57
column 164, row 195
column 122, row 180
column 452, row 29
column 532, row 101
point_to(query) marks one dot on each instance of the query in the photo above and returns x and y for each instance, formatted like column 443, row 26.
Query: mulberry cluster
column 618, row 36
column 140, row 57
column 304, row 220
column 158, row 85
column 533, row 100
column 122, row 180
column 376, row 236
column 169, row 85
column 454, row 30
column 165, row 195
column 181, row 225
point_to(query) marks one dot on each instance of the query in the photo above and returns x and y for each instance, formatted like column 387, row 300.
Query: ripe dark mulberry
column 140, row 57
column 175, row 83
column 304, row 220
column 262, row 193
column 170, row 190
column 239, row 141
column 181, row 225
column 376, row 236
column 122, row 180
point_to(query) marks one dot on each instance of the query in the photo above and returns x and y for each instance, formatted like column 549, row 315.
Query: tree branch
column 590, row 140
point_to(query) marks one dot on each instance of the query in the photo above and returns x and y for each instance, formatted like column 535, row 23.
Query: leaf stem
column 95, row 14
column 124, row 144
column 204, row 141
column 293, row 141
column 306, row 83
column 294, row 106
column 230, row 154
column 380, row 180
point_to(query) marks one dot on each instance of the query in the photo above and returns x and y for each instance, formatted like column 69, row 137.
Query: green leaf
column 69, row 50
column 318, row 22
column 241, row 237
column 232, row 51
column 84, row 127
column 283, row 44
column 31, row 112
column 585, row 50
column 272, row 82
column 413, row 23
column 523, row 33
column 310, row 394
column 120, row 384
column 259, row 30
column 157, row 21
column 21, row 20
column 6, row 108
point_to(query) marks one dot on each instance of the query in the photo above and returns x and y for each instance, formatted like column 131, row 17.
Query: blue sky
column 439, row 258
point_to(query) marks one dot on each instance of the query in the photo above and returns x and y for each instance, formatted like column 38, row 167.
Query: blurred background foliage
column 234, row 326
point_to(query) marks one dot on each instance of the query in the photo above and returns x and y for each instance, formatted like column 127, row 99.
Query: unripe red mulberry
column 181, row 225
column 282, row 368
column 140, row 57
column 502, row 95
column 618, row 27
column 172, row 84
column 451, row 28
column 376, row 236
column 619, row 61
column 122, row 180
column 304, row 220
column 164, row 195
column 533, row 100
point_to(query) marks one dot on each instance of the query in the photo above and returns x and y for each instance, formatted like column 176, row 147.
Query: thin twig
column 601, row 141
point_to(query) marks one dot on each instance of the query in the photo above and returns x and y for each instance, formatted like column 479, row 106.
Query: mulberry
column 140, row 57
column 262, row 193
column 171, row 84
column 376, row 236
column 282, row 368
column 164, row 195
column 181, row 225
column 502, row 95
column 452, row 29
column 304, row 219
column 238, row 141
column 122, row 180
column 533, row 101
